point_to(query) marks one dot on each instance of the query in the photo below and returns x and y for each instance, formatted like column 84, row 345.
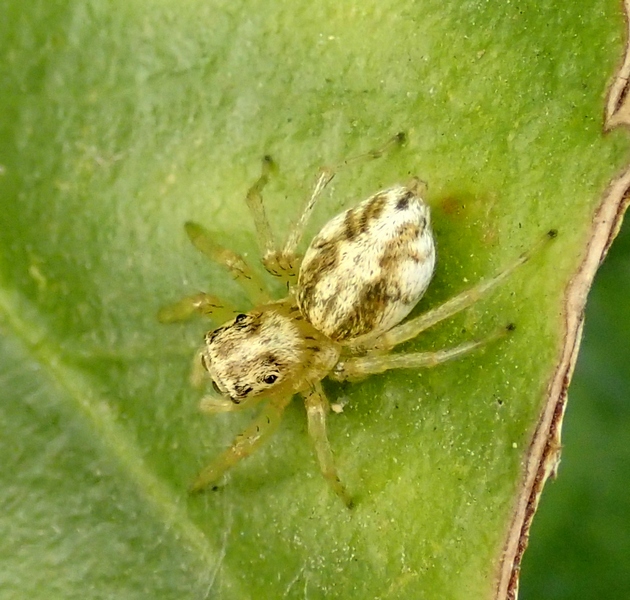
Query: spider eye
column 240, row 318
column 269, row 379
column 216, row 387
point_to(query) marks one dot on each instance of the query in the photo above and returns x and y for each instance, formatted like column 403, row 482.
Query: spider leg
column 324, row 176
column 282, row 263
column 198, row 304
column 317, row 407
column 409, row 330
column 254, row 199
column 245, row 444
column 287, row 259
column 392, row 142
column 241, row 272
column 285, row 262
column 277, row 262
column 356, row 368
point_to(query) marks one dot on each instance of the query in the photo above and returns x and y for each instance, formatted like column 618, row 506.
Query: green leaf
column 118, row 123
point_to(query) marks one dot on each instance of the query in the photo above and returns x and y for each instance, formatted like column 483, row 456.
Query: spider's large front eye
column 269, row 379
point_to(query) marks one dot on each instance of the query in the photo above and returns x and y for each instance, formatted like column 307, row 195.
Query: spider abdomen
column 369, row 266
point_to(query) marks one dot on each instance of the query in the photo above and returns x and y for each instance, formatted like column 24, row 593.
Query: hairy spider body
column 348, row 295
column 361, row 275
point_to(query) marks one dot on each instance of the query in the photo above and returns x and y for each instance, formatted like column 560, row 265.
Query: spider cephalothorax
column 268, row 350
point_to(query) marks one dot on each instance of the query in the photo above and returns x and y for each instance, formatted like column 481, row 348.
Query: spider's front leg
column 240, row 271
column 203, row 304
column 245, row 443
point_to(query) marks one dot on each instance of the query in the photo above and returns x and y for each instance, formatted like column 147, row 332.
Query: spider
column 359, row 278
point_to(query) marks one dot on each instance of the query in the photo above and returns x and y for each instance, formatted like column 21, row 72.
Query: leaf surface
column 120, row 122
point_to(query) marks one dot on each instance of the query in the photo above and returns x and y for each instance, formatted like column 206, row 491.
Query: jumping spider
column 360, row 277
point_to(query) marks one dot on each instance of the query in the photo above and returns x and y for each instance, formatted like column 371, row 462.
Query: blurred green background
column 580, row 540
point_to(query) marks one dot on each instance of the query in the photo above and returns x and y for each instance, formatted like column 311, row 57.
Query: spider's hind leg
column 375, row 362
column 413, row 327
